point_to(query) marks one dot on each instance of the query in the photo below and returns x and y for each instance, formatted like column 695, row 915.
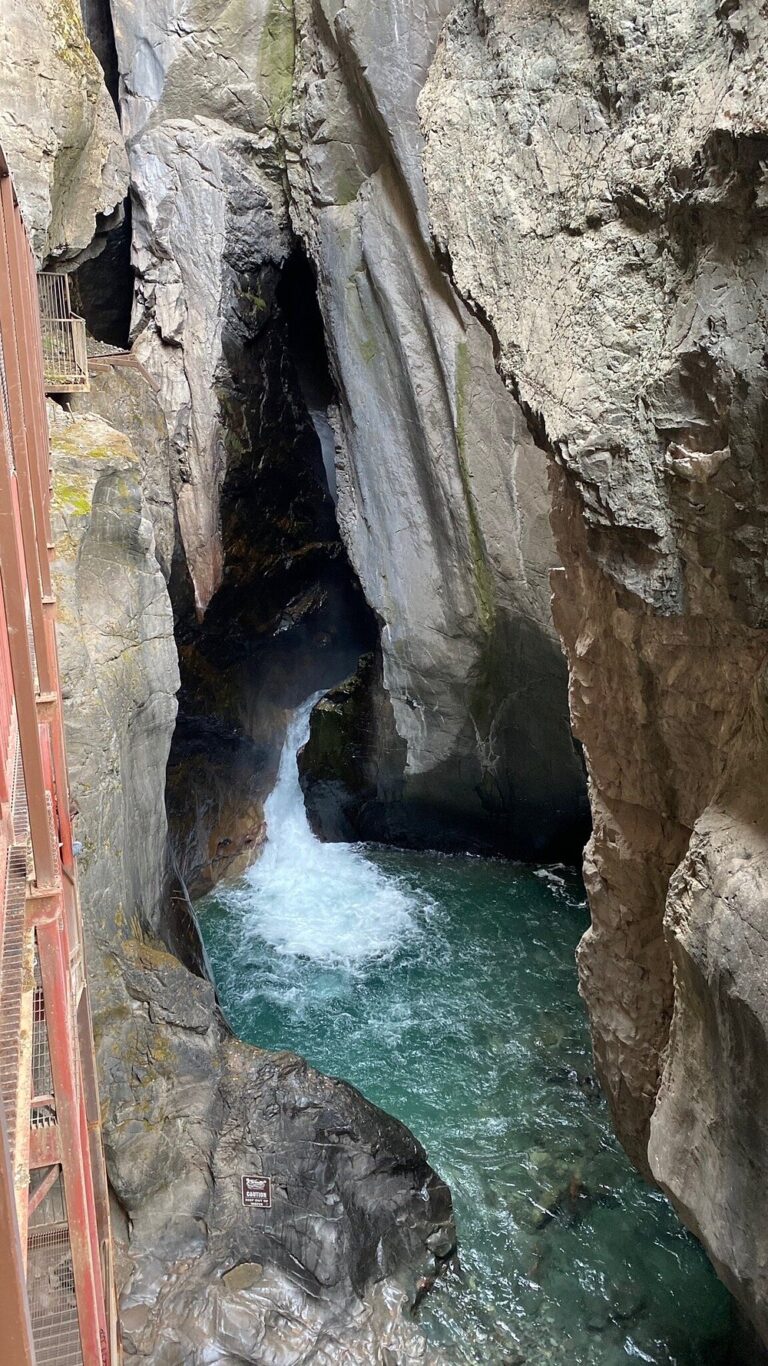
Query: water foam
column 324, row 902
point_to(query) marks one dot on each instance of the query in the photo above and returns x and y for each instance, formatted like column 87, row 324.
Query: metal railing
column 57, row 1302
column 65, row 355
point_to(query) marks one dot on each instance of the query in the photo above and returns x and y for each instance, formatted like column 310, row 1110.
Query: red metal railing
column 56, row 1292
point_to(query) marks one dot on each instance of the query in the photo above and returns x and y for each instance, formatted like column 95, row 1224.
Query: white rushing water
column 324, row 902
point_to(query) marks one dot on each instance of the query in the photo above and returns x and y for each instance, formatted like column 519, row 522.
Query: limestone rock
column 202, row 91
column 445, row 517
column 709, row 1131
column 119, row 670
column 58, row 127
column 596, row 176
column 125, row 395
column 442, row 497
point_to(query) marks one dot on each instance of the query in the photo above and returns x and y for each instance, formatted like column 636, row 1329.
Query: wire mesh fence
column 52, row 1304
column 43, row 1112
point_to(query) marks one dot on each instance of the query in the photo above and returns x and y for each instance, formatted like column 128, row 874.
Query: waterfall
column 324, row 902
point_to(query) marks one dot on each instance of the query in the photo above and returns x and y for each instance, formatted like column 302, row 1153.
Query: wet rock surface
column 307, row 131
column 596, row 187
column 594, row 229
column 210, row 221
column 288, row 619
column 330, row 1270
column 442, row 498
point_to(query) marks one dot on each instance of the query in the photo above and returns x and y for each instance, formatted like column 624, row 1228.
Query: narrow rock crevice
column 289, row 618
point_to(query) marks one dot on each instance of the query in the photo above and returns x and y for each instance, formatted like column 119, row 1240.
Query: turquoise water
column 445, row 989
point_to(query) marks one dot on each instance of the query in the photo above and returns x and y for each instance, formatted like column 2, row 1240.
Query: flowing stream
column 445, row 989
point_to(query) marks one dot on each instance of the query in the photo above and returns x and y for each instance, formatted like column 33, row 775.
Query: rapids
column 445, row 989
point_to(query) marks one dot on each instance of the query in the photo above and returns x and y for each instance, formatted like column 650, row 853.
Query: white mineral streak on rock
column 58, row 126
column 596, row 174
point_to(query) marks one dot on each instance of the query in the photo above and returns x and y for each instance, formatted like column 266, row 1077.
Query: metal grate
column 51, row 1291
column 65, row 353
column 14, row 950
column 43, row 1111
column 12, row 985
column 19, row 806
column 4, row 390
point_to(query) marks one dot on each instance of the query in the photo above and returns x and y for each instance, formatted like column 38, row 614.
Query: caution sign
column 257, row 1192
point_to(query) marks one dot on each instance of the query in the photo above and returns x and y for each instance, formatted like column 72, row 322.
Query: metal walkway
column 57, row 1303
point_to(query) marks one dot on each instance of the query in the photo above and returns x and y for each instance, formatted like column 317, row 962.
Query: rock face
column 592, row 226
column 202, row 90
column 444, row 514
column 329, row 1272
column 58, row 127
column 597, row 185
column 442, row 493
column 118, row 662
column 124, row 395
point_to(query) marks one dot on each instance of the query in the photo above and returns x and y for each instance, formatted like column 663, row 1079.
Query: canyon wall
column 331, row 1271
column 547, row 266
column 247, row 133
column 596, row 178
column 58, row 129
column 442, row 497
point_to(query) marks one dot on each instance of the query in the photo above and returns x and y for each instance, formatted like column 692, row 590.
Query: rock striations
column 597, row 183
column 247, row 127
column 58, row 128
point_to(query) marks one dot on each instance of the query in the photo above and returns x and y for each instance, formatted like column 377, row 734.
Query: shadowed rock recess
column 434, row 308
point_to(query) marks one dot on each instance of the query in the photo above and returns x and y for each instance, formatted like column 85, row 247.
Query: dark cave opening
column 289, row 617
column 97, row 22
column 102, row 285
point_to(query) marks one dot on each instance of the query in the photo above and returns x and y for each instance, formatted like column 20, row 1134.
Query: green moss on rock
column 72, row 494
column 277, row 57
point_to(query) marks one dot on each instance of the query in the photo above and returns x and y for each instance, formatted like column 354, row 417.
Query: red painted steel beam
column 14, row 322
column 41, row 471
column 52, row 905
column 14, row 1310
column 14, row 585
column 86, row 1268
column 47, row 1184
